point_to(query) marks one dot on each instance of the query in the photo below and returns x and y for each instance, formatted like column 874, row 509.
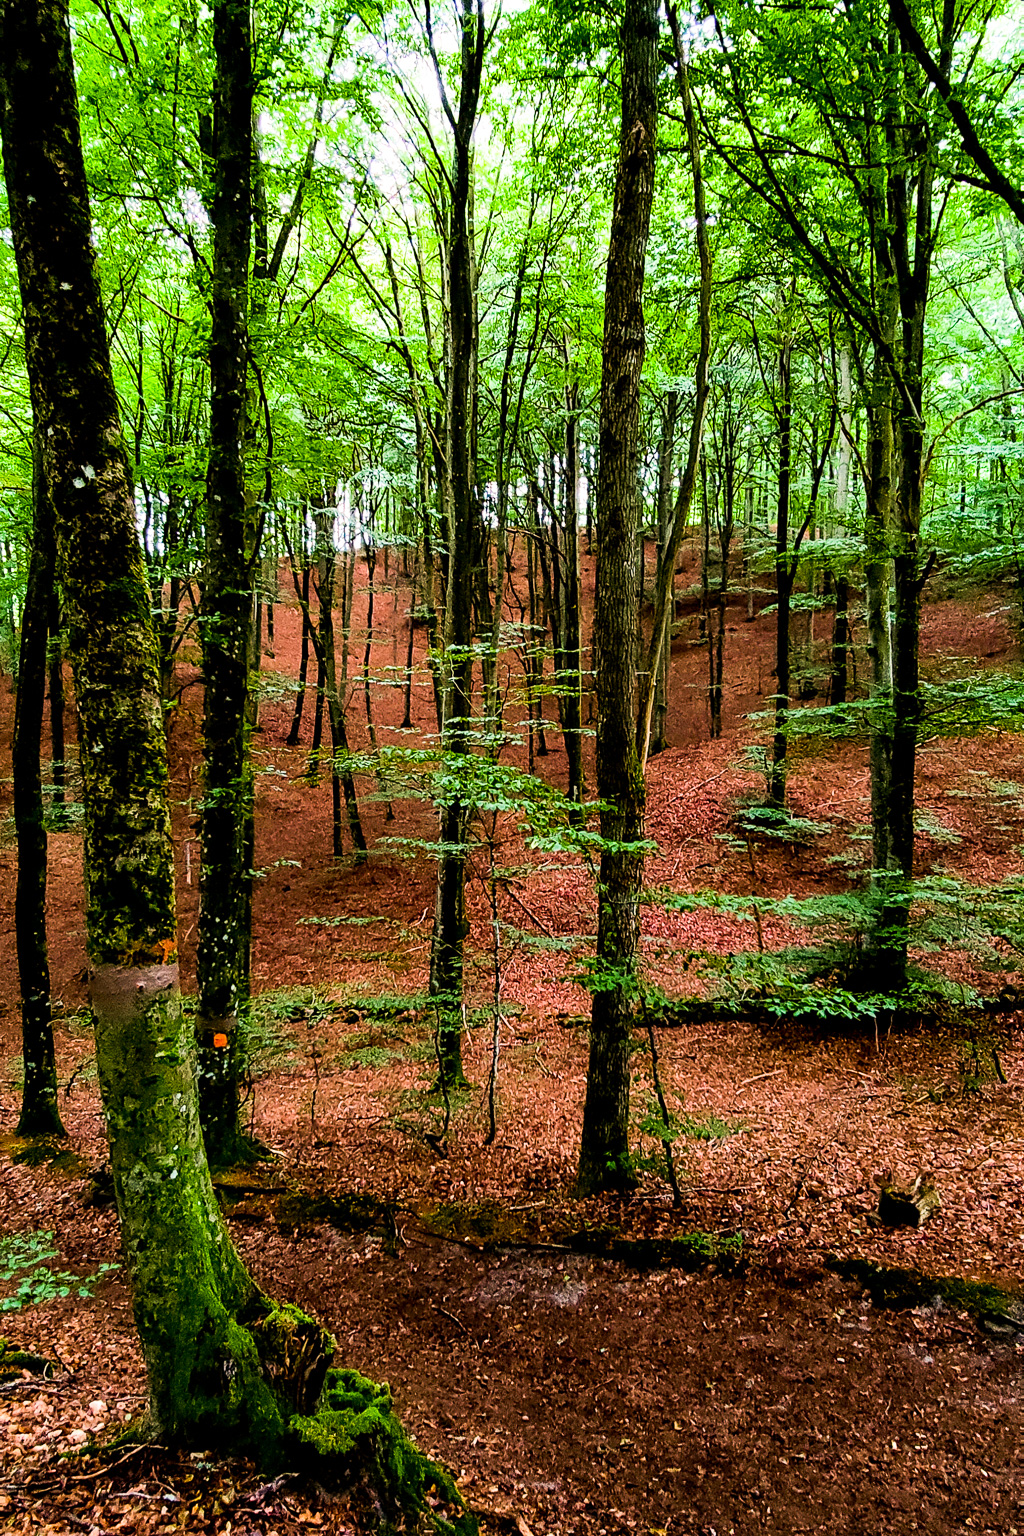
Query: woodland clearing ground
column 575, row 1393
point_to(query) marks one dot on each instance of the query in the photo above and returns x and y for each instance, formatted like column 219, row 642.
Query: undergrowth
column 29, row 1255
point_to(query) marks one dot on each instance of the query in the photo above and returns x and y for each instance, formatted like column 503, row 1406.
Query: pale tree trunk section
column 785, row 571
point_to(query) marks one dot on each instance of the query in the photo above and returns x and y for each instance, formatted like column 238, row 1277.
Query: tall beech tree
column 226, row 877
column 226, row 1365
column 460, row 499
column 867, row 109
column 209, row 1372
column 604, row 1150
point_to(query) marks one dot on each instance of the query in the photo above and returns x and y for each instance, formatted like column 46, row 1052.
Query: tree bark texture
column 223, row 935
column 785, row 572
column 463, row 519
column 604, row 1151
column 569, row 664
column 225, row 1365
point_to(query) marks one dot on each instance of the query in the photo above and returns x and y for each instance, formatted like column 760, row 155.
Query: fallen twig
column 761, row 1077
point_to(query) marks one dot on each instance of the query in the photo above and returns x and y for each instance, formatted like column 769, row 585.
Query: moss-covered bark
column 203, row 1324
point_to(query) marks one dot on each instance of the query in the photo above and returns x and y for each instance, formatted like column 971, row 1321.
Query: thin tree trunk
column 666, row 464
column 58, row 747
column 570, row 682
column 839, row 668
column 604, row 1150
column 879, row 494
column 785, row 571
column 462, row 516
column 225, row 878
column 371, row 566
column 407, row 715
column 40, row 1115
column 342, row 781
column 300, row 695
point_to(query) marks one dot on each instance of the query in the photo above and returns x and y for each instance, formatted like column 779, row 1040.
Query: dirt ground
column 556, row 1354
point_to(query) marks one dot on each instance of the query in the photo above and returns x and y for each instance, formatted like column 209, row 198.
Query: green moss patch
column 355, row 1438
column 43, row 1151
column 492, row 1227
column 687, row 1250
column 300, row 1210
column 994, row 1309
column 15, row 1362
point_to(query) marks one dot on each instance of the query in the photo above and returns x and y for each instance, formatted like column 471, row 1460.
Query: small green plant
column 366, row 1056
column 704, row 1126
column 268, row 1033
column 28, row 1254
column 709, row 1127
column 776, row 824
column 978, row 1060
column 66, row 816
column 381, row 1008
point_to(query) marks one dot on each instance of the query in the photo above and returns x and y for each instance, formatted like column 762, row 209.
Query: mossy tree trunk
column 226, row 1366
column 223, row 934
column 40, row 1115
column 604, row 1151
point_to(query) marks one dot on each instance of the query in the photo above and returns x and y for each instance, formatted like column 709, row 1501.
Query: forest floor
column 578, row 1371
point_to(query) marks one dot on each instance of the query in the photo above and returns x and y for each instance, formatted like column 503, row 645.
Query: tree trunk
column 342, row 780
column 879, row 497
column 58, row 748
column 839, row 669
column 910, row 202
column 407, row 712
column 225, row 1365
column 300, row 694
column 225, row 878
column 839, row 680
column 785, row 571
column 666, row 463
column 40, row 1115
column 570, row 690
column 604, row 1151
column 462, row 516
